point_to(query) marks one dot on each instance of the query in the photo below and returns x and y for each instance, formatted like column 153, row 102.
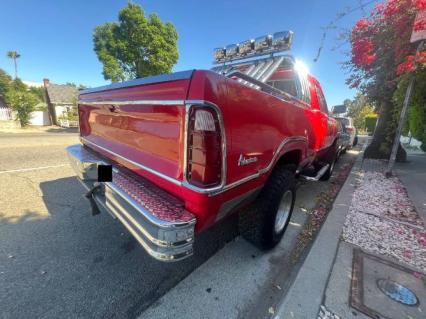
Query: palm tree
column 14, row 55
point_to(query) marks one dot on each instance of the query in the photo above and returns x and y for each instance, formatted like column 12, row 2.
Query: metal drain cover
column 397, row 292
column 383, row 289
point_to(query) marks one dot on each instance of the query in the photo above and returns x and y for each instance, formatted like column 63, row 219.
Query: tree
column 381, row 51
column 40, row 92
column 359, row 109
column 79, row 86
column 136, row 45
column 5, row 82
column 19, row 97
column 14, row 56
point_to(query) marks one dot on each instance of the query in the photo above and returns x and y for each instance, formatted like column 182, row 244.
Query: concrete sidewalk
column 413, row 176
column 366, row 240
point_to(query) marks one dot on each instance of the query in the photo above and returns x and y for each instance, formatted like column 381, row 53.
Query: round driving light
column 282, row 40
column 246, row 47
column 262, row 43
column 219, row 54
column 231, row 50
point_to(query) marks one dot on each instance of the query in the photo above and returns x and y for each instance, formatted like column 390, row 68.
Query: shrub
column 23, row 102
column 70, row 115
column 370, row 123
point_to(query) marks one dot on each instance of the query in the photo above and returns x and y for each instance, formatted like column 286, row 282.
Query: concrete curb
column 305, row 295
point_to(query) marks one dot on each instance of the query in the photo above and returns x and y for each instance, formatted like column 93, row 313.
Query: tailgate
column 139, row 123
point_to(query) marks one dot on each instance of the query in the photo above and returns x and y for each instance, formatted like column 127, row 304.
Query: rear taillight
column 204, row 157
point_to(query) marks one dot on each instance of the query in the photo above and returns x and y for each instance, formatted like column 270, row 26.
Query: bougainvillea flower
column 362, row 52
column 407, row 66
column 420, row 4
column 419, row 25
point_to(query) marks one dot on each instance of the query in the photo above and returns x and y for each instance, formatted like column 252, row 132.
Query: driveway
column 57, row 261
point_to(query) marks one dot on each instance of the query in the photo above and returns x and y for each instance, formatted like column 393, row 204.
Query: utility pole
column 401, row 123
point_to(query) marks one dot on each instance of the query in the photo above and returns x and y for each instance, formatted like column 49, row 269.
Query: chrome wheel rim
column 284, row 210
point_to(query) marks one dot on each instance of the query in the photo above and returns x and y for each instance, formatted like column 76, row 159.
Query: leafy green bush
column 40, row 107
column 23, row 102
column 70, row 115
column 416, row 115
column 370, row 123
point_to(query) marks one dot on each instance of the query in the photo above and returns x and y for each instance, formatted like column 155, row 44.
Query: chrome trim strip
column 185, row 182
column 150, row 170
column 267, row 168
column 183, row 75
column 280, row 147
column 136, row 102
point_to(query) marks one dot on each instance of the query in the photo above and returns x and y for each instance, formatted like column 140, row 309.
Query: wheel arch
column 290, row 158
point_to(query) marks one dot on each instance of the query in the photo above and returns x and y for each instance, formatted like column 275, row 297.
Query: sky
column 54, row 37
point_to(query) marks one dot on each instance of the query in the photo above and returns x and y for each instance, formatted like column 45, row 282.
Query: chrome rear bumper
column 156, row 219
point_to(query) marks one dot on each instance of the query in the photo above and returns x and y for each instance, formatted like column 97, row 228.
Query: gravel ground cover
column 385, row 197
column 383, row 220
column 324, row 313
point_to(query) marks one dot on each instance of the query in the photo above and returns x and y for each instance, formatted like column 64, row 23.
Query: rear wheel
column 265, row 222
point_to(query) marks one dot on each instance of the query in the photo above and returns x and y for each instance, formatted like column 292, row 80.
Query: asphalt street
column 57, row 261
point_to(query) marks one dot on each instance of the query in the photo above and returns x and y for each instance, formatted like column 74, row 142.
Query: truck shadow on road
column 84, row 266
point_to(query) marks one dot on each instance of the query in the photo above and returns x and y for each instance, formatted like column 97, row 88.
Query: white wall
column 60, row 109
column 40, row 118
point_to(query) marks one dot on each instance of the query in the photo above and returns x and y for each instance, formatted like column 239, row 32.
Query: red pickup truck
column 171, row 155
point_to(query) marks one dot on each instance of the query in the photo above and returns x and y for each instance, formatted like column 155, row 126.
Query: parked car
column 344, row 138
column 349, row 127
column 171, row 155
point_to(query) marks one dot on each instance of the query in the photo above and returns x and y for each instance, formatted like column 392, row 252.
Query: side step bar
column 320, row 173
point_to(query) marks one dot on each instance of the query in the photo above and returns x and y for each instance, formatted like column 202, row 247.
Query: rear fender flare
column 293, row 151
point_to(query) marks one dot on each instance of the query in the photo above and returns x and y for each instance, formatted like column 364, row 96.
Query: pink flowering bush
column 381, row 53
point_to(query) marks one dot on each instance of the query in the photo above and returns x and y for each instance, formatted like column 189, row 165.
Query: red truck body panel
column 149, row 138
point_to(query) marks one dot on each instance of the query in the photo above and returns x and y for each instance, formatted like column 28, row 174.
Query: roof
column 62, row 94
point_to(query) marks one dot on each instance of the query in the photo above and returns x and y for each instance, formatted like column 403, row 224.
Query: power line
column 341, row 15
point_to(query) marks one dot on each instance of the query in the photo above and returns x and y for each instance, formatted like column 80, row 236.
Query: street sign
column 418, row 35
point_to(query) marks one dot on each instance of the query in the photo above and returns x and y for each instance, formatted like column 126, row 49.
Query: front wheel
column 265, row 222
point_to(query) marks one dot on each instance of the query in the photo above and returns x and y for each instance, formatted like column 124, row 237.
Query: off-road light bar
column 267, row 44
